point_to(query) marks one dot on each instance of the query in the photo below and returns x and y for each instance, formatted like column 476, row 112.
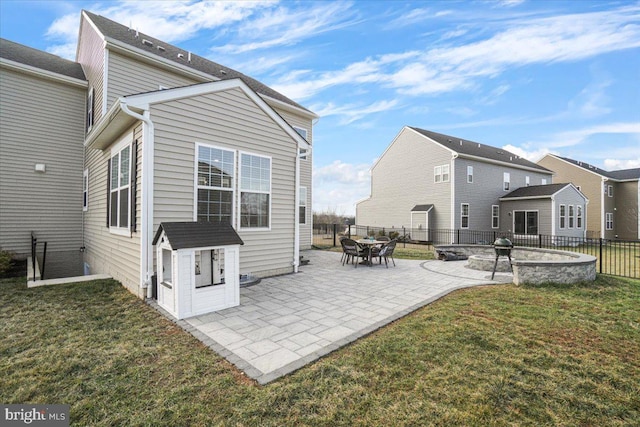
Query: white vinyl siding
column 232, row 121
column 53, row 137
column 91, row 56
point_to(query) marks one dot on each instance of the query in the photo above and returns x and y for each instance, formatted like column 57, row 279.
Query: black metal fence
column 615, row 257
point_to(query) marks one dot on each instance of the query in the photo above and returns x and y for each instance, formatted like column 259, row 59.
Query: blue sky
column 530, row 76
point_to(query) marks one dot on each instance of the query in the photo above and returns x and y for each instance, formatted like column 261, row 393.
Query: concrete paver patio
column 286, row 322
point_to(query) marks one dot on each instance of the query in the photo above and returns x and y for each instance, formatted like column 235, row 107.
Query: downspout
column 146, row 233
column 452, row 177
column 296, row 215
column 603, row 209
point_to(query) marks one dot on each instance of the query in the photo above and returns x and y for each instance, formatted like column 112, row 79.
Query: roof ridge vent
column 223, row 71
column 181, row 56
column 461, row 143
column 189, row 56
column 161, row 48
column 137, row 33
column 147, row 42
column 449, row 139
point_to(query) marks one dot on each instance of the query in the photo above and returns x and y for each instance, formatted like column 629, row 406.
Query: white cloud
column 337, row 186
column 531, row 155
column 578, row 136
column 519, row 43
column 352, row 112
column 614, row 164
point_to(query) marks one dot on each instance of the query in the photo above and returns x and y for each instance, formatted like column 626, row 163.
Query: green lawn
column 496, row 355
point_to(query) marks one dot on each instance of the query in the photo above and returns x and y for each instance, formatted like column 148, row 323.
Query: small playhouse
column 197, row 267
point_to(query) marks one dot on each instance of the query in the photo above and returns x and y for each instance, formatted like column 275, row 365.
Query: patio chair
column 351, row 250
column 386, row 252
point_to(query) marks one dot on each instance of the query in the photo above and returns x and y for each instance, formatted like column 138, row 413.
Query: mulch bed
column 18, row 269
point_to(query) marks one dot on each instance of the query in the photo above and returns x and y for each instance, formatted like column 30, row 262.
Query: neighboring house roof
column 422, row 208
column 536, row 191
column 185, row 235
column 619, row 175
column 159, row 48
column 22, row 54
column 475, row 149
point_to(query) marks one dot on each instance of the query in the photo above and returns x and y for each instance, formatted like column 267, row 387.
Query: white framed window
column 543, row 181
column 527, row 181
column 610, row 190
column 563, row 216
column 609, row 220
column 90, row 107
column 445, row 173
column 215, row 173
column 85, row 190
column 120, row 186
column 470, row 174
column 255, row 191
column 464, row 215
column 301, row 131
column 495, row 216
column 572, row 218
column 579, row 216
column 302, row 206
column 525, row 222
column 506, row 181
column 437, row 174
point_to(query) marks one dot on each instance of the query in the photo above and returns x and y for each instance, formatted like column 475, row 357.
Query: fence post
column 540, row 240
column 600, row 255
column 349, row 232
column 458, row 236
column 335, row 228
column 404, row 237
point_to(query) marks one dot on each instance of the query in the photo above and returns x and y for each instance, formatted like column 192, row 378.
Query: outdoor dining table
column 370, row 244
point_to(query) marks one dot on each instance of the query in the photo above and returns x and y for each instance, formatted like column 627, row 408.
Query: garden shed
column 197, row 267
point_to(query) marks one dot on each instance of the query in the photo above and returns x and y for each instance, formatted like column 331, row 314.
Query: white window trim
column 469, row 174
column 448, row 173
column 462, row 215
column 303, row 132
column 85, row 190
column 610, row 190
column 563, row 216
column 437, row 174
column 506, row 181
column 196, row 186
column 497, row 208
column 125, row 141
column 91, row 113
column 543, row 181
column 302, row 201
column 527, row 181
column 239, row 186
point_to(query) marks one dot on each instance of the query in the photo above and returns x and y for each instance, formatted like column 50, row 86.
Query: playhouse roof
column 184, row 235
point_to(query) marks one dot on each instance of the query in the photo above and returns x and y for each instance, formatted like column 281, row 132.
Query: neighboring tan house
column 614, row 196
column 551, row 210
column 174, row 137
column 427, row 181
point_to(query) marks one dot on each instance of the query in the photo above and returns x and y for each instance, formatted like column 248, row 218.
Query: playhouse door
column 166, row 286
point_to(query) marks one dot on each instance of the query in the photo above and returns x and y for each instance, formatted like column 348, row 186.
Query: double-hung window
column 255, row 191
column 464, row 215
column 506, row 179
column 470, row 174
column 302, row 205
column 495, row 216
column 563, row 216
column 215, row 183
column 120, row 185
column 579, row 216
column 610, row 190
column 571, row 216
column 441, row 173
column 609, row 220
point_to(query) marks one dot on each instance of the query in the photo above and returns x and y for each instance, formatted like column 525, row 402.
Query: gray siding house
column 426, row 181
column 169, row 136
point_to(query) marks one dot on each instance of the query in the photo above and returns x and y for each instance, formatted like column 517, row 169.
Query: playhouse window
column 209, row 268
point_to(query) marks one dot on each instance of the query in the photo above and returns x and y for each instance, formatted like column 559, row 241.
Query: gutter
column 146, row 254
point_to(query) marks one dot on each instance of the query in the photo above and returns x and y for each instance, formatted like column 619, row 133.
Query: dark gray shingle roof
column 36, row 58
column 622, row 175
column 471, row 148
column 123, row 34
column 184, row 235
column 422, row 208
column 547, row 190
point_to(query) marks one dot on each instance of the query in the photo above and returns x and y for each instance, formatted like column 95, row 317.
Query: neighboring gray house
column 551, row 210
column 614, row 195
column 170, row 137
column 426, row 180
